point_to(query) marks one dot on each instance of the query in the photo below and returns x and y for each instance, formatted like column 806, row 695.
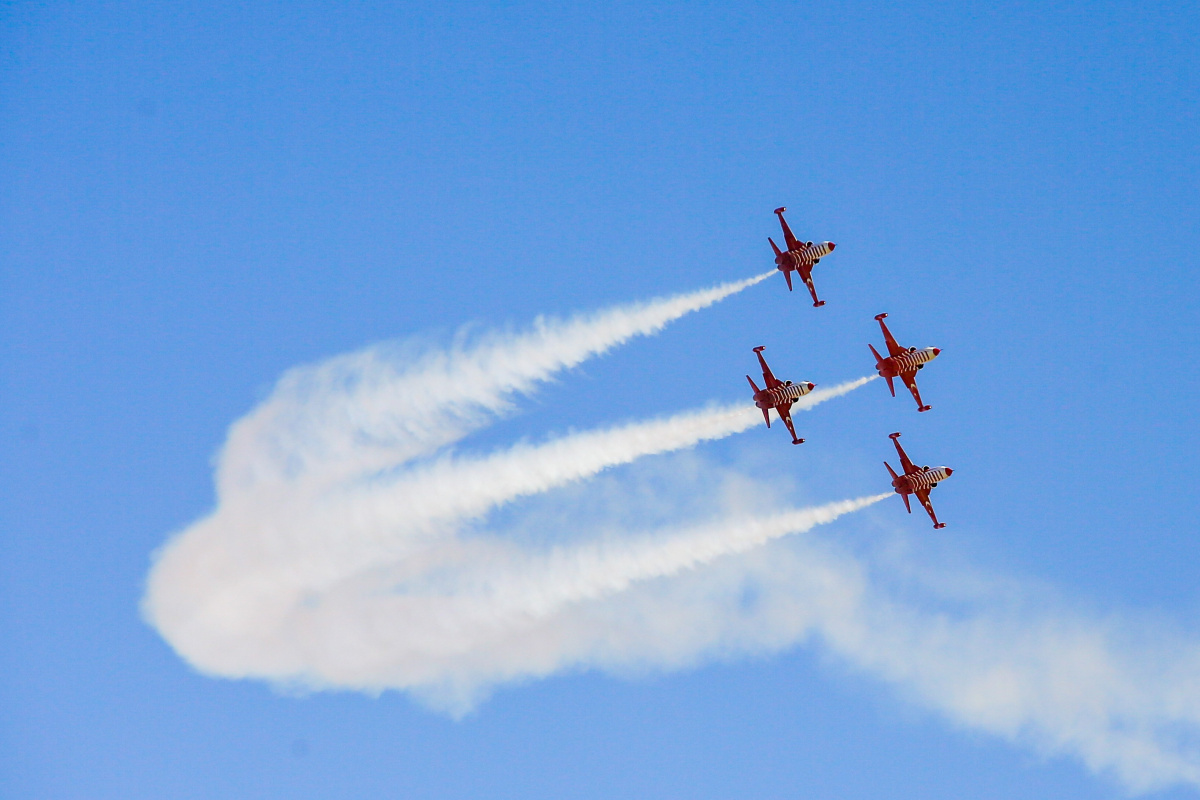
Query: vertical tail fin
column 766, row 415
column 878, row 361
column 903, row 495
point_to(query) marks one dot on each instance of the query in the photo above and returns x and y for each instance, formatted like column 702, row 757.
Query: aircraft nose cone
column 832, row 245
column 811, row 386
column 949, row 472
column 937, row 350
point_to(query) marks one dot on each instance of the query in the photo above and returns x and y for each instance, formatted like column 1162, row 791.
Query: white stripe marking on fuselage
column 784, row 394
column 909, row 361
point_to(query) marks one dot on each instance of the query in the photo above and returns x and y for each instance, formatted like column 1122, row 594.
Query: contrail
column 592, row 571
column 274, row 550
column 465, row 488
column 345, row 553
column 364, row 411
column 316, row 485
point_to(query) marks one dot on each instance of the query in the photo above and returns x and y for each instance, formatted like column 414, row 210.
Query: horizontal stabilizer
column 891, row 386
column 878, row 358
column 775, row 247
column 767, row 416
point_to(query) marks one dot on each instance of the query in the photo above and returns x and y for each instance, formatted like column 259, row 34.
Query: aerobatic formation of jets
column 900, row 362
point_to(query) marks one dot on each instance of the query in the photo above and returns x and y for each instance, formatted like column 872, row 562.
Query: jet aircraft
column 902, row 363
column 779, row 395
column 916, row 480
column 799, row 256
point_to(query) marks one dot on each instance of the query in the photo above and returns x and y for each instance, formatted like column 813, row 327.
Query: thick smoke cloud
column 347, row 547
column 349, row 550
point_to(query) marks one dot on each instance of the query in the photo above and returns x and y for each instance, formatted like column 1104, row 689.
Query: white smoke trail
column 466, row 488
column 1118, row 694
column 248, row 568
column 593, row 571
column 321, row 503
column 334, row 561
column 365, row 411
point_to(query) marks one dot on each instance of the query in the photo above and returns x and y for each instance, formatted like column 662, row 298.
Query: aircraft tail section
column 878, row 363
column 775, row 247
column 766, row 415
column 787, row 276
column 892, row 471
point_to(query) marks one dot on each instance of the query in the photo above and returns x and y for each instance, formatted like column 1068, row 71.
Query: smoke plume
column 349, row 548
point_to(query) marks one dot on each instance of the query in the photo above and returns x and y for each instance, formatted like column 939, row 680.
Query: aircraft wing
column 894, row 348
column 808, row 281
column 923, row 496
column 905, row 461
column 792, row 242
column 768, row 376
column 785, row 414
column 910, row 380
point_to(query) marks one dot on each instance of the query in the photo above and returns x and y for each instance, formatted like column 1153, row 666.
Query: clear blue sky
column 195, row 198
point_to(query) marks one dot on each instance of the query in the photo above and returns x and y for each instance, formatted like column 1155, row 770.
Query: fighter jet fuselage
column 908, row 361
column 926, row 478
column 779, row 395
column 902, row 362
column 916, row 480
column 805, row 256
column 798, row 256
column 787, row 393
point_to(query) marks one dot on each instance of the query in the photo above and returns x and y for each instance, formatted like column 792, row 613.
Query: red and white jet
column 800, row 256
column 916, row 480
column 902, row 363
column 779, row 395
